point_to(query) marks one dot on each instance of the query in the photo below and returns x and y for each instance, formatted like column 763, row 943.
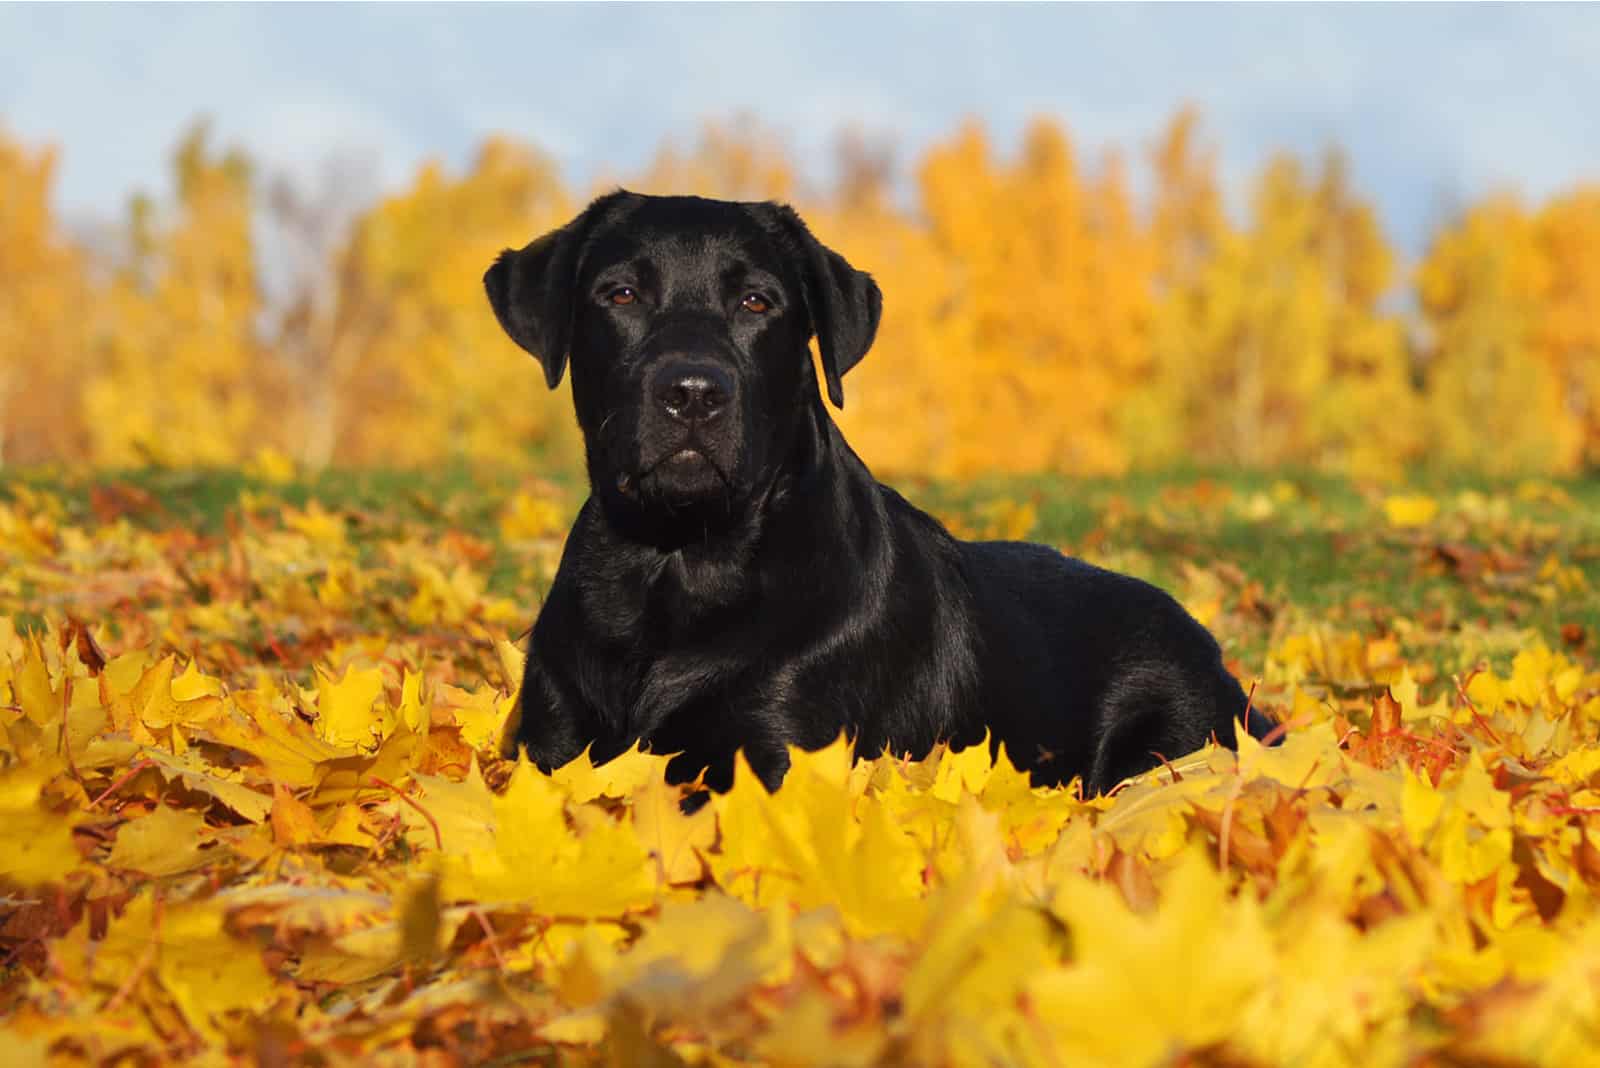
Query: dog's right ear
column 531, row 290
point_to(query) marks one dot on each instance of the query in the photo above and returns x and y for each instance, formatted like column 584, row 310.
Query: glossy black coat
column 739, row 580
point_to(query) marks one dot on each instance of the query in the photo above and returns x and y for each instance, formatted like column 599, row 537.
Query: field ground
column 1321, row 550
column 302, row 798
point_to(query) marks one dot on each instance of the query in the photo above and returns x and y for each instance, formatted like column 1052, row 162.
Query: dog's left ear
column 845, row 305
column 530, row 290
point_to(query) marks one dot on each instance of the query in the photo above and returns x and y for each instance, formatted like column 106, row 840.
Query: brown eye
column 755, row 303
column 623, row 296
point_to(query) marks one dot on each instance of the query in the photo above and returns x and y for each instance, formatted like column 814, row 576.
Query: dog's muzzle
column 690, row 432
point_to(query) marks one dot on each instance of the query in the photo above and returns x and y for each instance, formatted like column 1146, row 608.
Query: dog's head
column 686, row 322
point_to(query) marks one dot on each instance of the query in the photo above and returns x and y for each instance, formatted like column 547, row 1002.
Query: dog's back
column 1088, row 670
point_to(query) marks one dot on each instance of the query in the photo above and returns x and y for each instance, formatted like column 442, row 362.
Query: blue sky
column 1436, row 103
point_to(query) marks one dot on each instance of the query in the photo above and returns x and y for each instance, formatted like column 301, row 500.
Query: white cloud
column 1424, row 97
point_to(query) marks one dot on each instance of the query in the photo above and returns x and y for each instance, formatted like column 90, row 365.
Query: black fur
column 738, row 579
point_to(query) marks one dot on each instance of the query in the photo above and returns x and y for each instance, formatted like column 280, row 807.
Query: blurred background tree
column 1494, row 399
column 44, row 302
column 179, row 371
column 1568, row 334
column 426, row 372
column 1039, row 316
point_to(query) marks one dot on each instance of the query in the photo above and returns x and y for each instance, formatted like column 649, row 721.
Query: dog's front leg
column 769, row 761
column 552, row 727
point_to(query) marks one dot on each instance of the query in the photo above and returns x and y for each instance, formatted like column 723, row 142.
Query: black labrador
column 739, row 580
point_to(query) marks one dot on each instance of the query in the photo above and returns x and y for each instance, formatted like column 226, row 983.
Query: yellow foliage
column 42, row 851
column 1568, row 334
column 44, row 306
column 1294, row 904
column 1032, row 322
column 1037, row 318
column 1269, row 343
column 1410, row 510
column 1495, row 399
column 300, row 837
column 183, row 372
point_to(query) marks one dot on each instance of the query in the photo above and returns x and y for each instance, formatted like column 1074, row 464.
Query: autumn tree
column 43, row 303
column 430, row 374
column 895, row 404
column 1038, row 320
column 1036, row 317
column 1495, row 397
column 1188, row 230
column 1271, row 344
column 740, row 159
column 865, row 166
column 1568, row 334
column 321, row 317
column 180, row 369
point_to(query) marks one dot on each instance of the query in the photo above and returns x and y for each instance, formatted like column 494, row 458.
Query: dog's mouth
column 689, row 455
column 687, row 472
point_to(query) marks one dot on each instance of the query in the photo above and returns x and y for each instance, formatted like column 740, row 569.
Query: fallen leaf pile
column 251, row 812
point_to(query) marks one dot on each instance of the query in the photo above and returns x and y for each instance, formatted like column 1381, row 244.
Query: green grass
column 1319, row 547
column 1329, row 547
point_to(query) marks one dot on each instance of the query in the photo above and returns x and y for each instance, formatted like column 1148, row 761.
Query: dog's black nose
column 692, row 393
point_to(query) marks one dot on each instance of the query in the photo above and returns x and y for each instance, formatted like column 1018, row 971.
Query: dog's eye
column 755, row 303
column 623, row 296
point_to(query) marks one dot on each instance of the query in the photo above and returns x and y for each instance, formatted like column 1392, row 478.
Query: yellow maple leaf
column 483, row 714
column 186, row 947
column 193, row 685
column 964, row 771
column 1149, row 817
column 293, row 822
column 809, row 1030
column 165, row 842
column 512, row 662
column 349, row 712
column 1410, row 510
column 1412, row 710
column 351, row 777
column 713, row 938
column 1420, row 806
column 413, row 712
column 271, row 465
column 38, row 845
column 1336, row 991
column 420, row 921
column 463, row 812
column 602, row 870
column 1306, row 758
column 158, row 702
column 693, row 962
column 810, row 844
column 227, row 786
column 617, row 777
column 322, row 528
column 259, row 722
column 674, row 839
column 346, row 828
column 1143, row 988
column 962, row 995
column 517, row 846
column 31, row 686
